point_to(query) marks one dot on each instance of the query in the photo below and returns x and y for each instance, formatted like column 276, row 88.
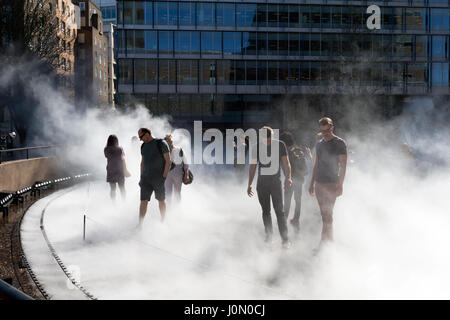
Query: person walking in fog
column 155, row 166
column 297, row 161
column 269, row 186
column 179, row 173
column 328, row 174
column 116, row 168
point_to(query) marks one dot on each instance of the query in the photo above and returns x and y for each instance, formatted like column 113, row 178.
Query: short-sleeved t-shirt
column 153, row 160
column 282, row 151
column 328, row 153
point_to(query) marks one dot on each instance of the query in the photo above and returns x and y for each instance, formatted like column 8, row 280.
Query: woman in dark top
column 116, row 169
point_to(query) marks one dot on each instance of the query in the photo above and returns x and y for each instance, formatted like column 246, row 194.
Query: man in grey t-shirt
column 155, row 166
column 328, row 174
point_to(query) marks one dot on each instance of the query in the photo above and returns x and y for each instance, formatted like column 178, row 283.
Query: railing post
column 27, row 154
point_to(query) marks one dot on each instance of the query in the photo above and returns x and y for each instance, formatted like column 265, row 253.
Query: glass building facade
column 232, row 61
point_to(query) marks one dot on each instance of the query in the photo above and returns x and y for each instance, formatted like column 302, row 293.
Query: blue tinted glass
column 165, row 41
column 187, row 42
column 187, row 13
column 205, row 14
column 161, row 15
column 150, row 41
column 225, row 14
column 148, row 13
column 440, row 75
column 211, row 43
column 173, row 13
column 246, row 15
column 438, row 46
column 232, row 42
column 440, row 19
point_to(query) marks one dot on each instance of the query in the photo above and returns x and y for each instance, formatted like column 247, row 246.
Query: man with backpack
column 155, row 166
column 299, row 171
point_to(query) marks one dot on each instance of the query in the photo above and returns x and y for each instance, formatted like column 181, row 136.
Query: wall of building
column 15, row 175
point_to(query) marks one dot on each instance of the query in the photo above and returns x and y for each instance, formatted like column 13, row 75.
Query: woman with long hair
column 116, row 169
column 178, row 174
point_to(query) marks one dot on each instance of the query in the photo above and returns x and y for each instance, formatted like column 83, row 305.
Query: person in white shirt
column 178, row 174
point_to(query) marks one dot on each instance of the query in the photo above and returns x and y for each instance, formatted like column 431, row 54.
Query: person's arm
column 186, row 167
column 142, row 170
column 168, row 162
column 342, row 170
column 313, row 176
column 251, row 175
column 286, row 171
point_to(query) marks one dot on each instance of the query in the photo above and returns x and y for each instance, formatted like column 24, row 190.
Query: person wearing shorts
column 155, row 166
column 328, row 174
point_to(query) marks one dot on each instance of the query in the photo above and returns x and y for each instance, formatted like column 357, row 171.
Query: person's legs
column 112, row 192
column 123, row 192
column 277, row 200
column 264, row 200
column 298, row 185
column 168, row 186
column 160, row 195
column 287, row 200
column 142, row 211
column 326, row 197
column 146, row 193
column 177, row 183
column 162, row 209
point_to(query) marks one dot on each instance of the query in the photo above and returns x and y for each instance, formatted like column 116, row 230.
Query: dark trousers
column 271, row 188
column 295, row 190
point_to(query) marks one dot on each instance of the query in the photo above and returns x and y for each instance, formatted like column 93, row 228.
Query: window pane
column 262, row 43
column 304, row 72
column 294, row 44
column 139, row 41
column 272, row 69
column 130, row 41
column 283, row 15
column 272, row 43
column 294, row 18
column 305, row 17
column 150, row 41
column 165, row 41
column 128, row 12
column 139, row 15
column 283, row 44
column 261, row 15
column 232, row 43
column 326, row 17
column 225, row 14
column 315, row 16
column 283, row 73
column 421, row 46
column 438, row 47
column 336, row 17
column 151, row 71
column 225, row 72
column 205, row 14
column 249, row 43
column 326, row 45
column 167, row 72
column 246, row 15
column 262, row 72
column 187, row 13
column 211, row 42
column 294, row 72
column 139, row 71
column 439, row 19
column 272, row 15
column 187, row 72
column 315, row 73
column 240, row 72
column 161, row 13
column 125, row 71
column 205, row 71
column 250, row 72
column 440, row 75
column 357, row 17
column 148, row 13
column 315, row 44
column 346, row 17
column 304, row 44
column 417, row 74
column 415, row 18
column 402, row 46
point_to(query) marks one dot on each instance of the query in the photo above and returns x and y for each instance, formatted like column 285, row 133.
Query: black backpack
column 298, row 162
column 159, row 143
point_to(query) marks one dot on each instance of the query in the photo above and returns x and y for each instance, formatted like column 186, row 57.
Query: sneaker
column 286, row 244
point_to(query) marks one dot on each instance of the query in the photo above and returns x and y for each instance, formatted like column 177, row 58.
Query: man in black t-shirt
column 269, row 183
column 328, row 174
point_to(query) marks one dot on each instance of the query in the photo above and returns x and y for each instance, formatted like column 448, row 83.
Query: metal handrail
column 27, row 149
